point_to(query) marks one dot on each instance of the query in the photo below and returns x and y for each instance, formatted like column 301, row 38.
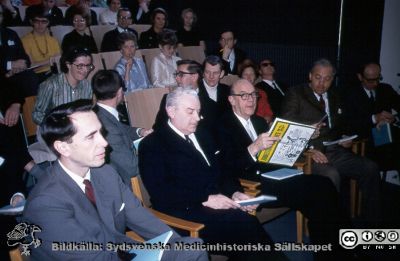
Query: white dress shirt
column 248, row 126
column 212, row 91
column 325, row 97
column 75, row 177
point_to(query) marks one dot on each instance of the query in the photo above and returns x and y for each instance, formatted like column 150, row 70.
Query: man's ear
column 171, row 111
column 309, row 76
column 231, row 100
column 61, row 147
column 234, row 42
column 222, row 74
column 359, row 77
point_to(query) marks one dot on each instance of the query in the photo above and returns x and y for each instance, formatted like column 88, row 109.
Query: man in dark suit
column 231, row 55
column 308, row 104
column 242, row 135
column 121, row 153
column 215, row 102
column 124, row 19
column 275, row 91
column 372, row 104
column 180, row 170
column 80, row 199
column 14, row 63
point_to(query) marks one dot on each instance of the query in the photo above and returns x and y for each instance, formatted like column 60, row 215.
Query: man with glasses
column 48, row 9
column 275, row 91
column 231, row 55
column 308, row 104
column 373, row 104
column 124, row 18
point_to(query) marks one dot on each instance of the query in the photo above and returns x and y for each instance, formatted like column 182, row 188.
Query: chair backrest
column 140, row 191
column 143, row 106
column 229, row 79
column 59, row 31
column 98, row 32
column 195, row 53
column 55, row 61
column 111, row 58
column 98, row 65
column 148, row 56
column 27, row 109
column 21, row 30
column 139, row 28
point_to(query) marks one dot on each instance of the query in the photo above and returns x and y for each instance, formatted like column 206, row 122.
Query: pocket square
column 122, row 207
column 10, row 43
column 217, row 152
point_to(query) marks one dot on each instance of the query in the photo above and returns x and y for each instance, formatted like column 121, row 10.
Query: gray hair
column 324, row 63
column 174, row 96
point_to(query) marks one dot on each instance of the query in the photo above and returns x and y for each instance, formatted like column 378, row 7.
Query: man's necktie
column 190, row 141
column 89, row 192
column 248, row 129
column 322, row 102
column 371, row 97
column 277, row 88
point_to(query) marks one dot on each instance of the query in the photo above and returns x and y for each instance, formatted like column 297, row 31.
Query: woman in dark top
column 81, row 36
column 149, row 38
column 188, row 35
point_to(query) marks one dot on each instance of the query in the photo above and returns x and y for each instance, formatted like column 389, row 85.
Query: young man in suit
column 121, row 154
column 180, row 169
column 308, row 103
column 242, row 135
column 124, row 19
column 80, row 199
column 372, row 104
column 231, row 55
column 274, row 90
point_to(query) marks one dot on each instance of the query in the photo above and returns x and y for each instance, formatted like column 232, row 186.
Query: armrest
column 250, row 187
column 189, row 226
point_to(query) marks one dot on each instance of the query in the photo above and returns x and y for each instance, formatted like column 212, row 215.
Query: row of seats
column 98, row 31
column 22, row 10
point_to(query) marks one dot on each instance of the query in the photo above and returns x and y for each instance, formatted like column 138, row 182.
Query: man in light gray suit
column 82, row 202
column 107, row 88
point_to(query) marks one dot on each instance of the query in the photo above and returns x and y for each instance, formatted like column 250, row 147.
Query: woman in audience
column 188, row 35
column 69, row 85
column 149, row 38
column 40, row 46
column 109, row 16
column 163, row 66
column 81, row 35
column 248, row 71
column 73, row 9
column 131, row 68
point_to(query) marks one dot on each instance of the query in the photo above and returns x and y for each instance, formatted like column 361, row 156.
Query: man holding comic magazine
column 242, row 135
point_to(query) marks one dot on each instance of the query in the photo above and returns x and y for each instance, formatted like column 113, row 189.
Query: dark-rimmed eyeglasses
column 245, row 96
column 80, row 66
column 81, row 20
column 181, row 73
column 125, row 17
column 40, row 21
column 266, row 64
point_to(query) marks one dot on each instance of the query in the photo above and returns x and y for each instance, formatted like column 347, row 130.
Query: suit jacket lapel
column 309, row 95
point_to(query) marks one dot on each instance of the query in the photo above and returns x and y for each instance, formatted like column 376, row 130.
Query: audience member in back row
column 373, row 104
column 109, row 42
column 81, row 36
column 132, row 69
column 229, row 53
column 81, row 4
column 121, row 154
column 14, row 62
column 109, row 16
column 10, row 13
column 163, row 66
column 46, row 8
column 308, row 104
column 67, row 86
column 188, row 34
column 187, row 181
column 40, row 46
column 149, row 38
column 274, row 90
column 249, row 72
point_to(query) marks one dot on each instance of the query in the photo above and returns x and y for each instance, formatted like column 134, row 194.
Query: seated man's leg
column 366, row 172
column 191, row 254
column 327, row 170
column 224, row 228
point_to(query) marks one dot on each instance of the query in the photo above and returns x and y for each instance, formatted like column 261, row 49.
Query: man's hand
column 12, row 115
column 317, row 126
column 18, row 65
column 226, row 51
column 144, row 132
column 384, row 117
column 241, row 196
column 262, row 142
column 318, row 156
column 220, row 201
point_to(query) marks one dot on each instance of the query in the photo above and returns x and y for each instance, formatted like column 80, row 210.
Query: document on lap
column 256, row 201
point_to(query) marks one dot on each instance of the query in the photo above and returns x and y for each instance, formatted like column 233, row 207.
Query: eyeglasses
column 245, row 96
column 80, row 66
column 266, row 64
column 181, row 73
column 38, row 21
column 373, row 80
column 79, row 20
column 125, row 17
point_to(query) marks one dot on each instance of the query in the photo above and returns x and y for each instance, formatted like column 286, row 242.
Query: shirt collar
column 121, row 30
column 242, row 120
column 210, row 88
column 110, row 109
column 270, row 83
column 176, row 130
column 75, row 177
